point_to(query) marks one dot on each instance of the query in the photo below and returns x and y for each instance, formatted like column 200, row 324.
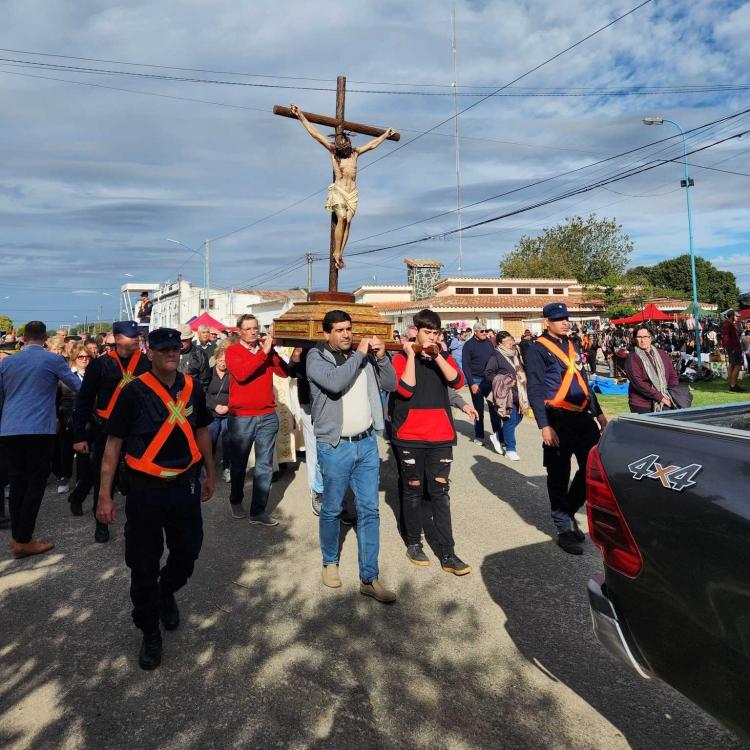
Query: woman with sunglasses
column 79, row 361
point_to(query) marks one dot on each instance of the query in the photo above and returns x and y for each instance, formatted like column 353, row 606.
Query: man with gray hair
column 474, row 357
column 205, row 342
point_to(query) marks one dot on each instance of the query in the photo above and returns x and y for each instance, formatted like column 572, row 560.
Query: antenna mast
column 455, row 135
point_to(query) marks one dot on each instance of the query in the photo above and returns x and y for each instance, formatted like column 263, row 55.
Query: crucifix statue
column 342, row 193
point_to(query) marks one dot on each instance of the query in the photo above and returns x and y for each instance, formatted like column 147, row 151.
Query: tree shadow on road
column 260, row 660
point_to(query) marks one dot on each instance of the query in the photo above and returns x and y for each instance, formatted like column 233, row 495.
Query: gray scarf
column 655, row 371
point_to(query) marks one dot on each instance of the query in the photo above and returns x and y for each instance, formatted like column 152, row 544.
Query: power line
column 544, row 180
column 576, row 191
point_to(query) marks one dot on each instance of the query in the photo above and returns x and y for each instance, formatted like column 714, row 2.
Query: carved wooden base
column 302, row 324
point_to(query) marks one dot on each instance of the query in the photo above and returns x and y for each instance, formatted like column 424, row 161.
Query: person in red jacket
column 252, row 363
column 730, row 340
column 423, row 436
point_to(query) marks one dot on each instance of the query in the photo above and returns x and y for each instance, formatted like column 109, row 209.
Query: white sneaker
column 496, row 444
column 63, row 488
column 513, row 456
column 226, row 476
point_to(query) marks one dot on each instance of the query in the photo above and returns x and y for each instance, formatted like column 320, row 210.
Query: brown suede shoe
column 376, row 591
column 34, row 547
column 330, row 576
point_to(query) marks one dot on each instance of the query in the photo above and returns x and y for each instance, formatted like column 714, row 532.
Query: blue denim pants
column 243, row 432
column 507, row 432
column 355, row 465
column 219, row 428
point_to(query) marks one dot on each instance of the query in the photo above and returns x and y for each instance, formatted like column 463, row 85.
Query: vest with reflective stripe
column 127, row 376
column 176, row 419
column 572, row 372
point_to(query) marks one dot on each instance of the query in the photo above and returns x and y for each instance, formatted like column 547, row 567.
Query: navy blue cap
column 555, row 311
column 164, row 338
column 127, row 328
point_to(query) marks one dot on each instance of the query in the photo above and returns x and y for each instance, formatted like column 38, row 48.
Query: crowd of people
column 149, row 414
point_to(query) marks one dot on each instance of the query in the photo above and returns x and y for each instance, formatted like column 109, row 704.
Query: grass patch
column 711, row 393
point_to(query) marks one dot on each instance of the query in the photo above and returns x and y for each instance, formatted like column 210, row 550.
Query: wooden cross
column 340, row 125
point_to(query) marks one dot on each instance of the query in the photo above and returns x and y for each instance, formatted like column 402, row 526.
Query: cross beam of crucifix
column 340, row 124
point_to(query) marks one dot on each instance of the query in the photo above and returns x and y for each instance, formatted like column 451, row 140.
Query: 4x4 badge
column 671, row 476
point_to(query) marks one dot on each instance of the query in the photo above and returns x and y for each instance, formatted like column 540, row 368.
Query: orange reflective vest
column 127, row 376
column 176, row 419
column 572, row 372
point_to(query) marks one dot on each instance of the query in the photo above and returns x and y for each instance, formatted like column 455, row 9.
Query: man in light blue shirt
column 28, row 389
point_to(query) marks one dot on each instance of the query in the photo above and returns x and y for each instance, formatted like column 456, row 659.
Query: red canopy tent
column 204, row 319
column 744, row 314
column 650, row 312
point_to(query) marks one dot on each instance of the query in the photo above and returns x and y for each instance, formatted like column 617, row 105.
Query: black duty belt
column 361, row 436
column 139, row 479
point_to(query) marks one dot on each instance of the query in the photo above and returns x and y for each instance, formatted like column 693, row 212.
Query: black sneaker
column 169, row 612
column 568, row 541
column 316, row 500
column 149, row 656
column 450, row 563
column 579, row 535
column 76, row 509
column 737, row 389
column 416, row 555
column 101, row 534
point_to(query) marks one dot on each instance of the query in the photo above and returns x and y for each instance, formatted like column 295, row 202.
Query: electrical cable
column 568, row 194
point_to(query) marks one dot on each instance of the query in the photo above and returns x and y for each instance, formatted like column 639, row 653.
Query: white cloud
column 93, row 180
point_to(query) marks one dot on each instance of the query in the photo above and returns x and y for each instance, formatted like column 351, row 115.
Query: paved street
column 266, row 657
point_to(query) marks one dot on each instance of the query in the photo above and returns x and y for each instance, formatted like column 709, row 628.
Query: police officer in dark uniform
column 566, row 412
column 104, row 381
column 162, row 421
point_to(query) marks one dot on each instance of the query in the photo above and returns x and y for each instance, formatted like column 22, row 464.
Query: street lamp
column 687, row 184
column 204, row 255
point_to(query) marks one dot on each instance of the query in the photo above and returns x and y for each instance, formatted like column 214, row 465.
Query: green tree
column 714, row 286
column 6, row 324
column 588, row 250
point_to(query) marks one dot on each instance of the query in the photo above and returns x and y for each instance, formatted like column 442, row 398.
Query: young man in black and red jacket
column 423, row 437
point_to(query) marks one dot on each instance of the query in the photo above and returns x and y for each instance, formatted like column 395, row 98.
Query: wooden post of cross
column 340, row 125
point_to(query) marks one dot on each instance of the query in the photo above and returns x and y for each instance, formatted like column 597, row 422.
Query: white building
column 175, row 303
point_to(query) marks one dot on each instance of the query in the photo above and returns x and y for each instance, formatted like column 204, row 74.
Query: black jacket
column 195, row 362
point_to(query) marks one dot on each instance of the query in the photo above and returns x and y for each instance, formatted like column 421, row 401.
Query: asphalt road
column 267, row 657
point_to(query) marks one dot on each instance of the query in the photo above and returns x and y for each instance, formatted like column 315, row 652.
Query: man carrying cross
column 343, row 195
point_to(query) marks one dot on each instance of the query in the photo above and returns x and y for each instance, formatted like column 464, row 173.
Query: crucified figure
column 343, row 195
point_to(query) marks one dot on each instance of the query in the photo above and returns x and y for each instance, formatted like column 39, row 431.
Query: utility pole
column 454, row 50
column 310, row 257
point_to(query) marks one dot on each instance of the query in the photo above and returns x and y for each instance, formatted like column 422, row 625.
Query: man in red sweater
column 252, row 363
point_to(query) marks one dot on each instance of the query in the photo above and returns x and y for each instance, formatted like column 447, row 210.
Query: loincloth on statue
column 338, row 198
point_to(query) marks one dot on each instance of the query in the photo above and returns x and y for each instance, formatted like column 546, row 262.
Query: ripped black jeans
column 424, row 472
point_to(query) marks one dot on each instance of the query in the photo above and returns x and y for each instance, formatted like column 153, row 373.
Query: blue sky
column 93, row 180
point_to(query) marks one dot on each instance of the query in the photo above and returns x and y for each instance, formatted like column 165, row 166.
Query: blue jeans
column 243, row 432
column 478, row 400
column 357, row 465
column 507, row 432
column 220, row 428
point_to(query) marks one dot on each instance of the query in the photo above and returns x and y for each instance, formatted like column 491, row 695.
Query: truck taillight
column 607, row 526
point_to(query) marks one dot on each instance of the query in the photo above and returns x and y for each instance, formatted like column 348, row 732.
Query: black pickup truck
column 668, row 502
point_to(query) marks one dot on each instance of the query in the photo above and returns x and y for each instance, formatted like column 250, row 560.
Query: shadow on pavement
column 259, row 661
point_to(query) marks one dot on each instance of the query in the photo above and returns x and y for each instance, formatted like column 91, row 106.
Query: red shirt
column 251, row 380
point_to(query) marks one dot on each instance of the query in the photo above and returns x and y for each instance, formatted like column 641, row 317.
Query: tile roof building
column 498, row 303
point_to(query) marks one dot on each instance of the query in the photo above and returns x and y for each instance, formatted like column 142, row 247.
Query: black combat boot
column 150, row 654
column 169, row 612
column 101, row 534
column 568, row 541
